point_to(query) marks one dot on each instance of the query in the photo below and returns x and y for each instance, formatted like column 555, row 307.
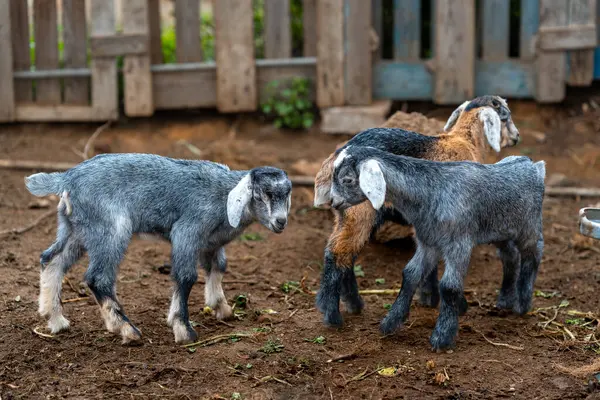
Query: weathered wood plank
column 156, row 56
column 407, row 29
column 187, row 31
column 104, row 70
column 185, row 89
column 46, row 50
column 412, row 81
column 358, row 64
column 454, row 51
column 7, row 98
column 119, row 45
column 236, row 71
column 567, row 37
column 309, row 27
column 19, row 20
column 377, row 22
column 581, row 62
column 495, row 32
column 278, row 32
column 551, row 65
column 77, row 90
column 330, row 53
column 530, row 20
column 61, row 112
column 136, row 70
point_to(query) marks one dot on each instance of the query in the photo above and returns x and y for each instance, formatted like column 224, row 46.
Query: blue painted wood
column 597, row 63
column 530, row 21
column 495, row 33
column 407, row 29
column 412, row 81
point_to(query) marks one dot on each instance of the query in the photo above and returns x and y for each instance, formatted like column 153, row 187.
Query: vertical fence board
column 358, row 64
column 104, row 70
column 46, row 50
column 278, row 32
column 551, row 65
column 187, row 31
column 377, row 22
column 407, row 29
column 581, row 62
column 77, row 90
column 7, row 99
column 530, row 20
column 454, row 51
column 137, row 75
column 309, row 26
column 236, row 70
column 495, row 29
column 19, row 21
column 156, row 56
column 330, row 53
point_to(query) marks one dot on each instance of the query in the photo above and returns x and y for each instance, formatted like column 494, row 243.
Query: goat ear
column 454, row 116
column 372, row 183
column 323, row 182
column 322, row 194
column 238, row 199
column 492, row 127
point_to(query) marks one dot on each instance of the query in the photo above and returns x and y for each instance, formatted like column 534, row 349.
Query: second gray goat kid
column 453, row 207
column 198, row 206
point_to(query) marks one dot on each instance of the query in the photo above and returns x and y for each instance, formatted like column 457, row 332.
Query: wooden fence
column 343, row 53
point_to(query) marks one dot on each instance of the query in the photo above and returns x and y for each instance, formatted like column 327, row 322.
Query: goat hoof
column 131, row 335
column 354, row 306
column 223, row 311
column 184, row 333
column 505, row 303
column 441, row 341
column 389, row 326
column 521, row 309
column 333, row 319
column 58, row 323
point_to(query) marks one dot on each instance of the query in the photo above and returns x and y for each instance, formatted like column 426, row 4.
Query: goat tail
column 541, row 168
column 43, row 184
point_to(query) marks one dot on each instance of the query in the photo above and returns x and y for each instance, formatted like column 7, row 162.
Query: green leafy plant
column 251, row 237
column 380, row 281
column 358, row 271
column 317, row 340
column 288, row 103
column 272, row 346
column 290, row 286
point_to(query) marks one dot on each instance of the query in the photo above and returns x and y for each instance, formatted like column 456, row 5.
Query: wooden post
column 46, row 50
column 377, row 22
column 551, row 65
column 137, row 75
column 454, row 51
column 236, row 70
column 7, row 93
column 309, row 26
column 407, row 29
column 19, row 20
column 330, row 53
column 156, row 56
column 104, row 69
column 77, row 90
column 278, row 32
column 530, row 21
column 358, row 64
column 581, row 62
column 496, row 30
column 187, row 30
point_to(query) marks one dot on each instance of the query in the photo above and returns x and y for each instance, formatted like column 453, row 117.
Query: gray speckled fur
column 455, row 206
column 114, row 196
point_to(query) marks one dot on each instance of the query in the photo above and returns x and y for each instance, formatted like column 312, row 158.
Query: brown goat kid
column 471, row 125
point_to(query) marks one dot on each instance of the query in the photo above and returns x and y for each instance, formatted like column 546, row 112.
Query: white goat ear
column 454, row 116
column 238, row 199
column 372, row 183
column 492, row 127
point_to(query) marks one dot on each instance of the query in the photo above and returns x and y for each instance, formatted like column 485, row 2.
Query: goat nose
column 281, row 221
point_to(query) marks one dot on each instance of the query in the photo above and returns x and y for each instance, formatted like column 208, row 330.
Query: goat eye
column 347, row 181
column 495, row 103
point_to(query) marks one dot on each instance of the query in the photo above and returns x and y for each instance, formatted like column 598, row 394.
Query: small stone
column 18, row 299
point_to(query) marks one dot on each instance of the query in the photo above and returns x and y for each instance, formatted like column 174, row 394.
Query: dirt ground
column 287, row 355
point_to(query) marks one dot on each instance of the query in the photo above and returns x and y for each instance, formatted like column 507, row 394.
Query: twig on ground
column 270, row 378
column 218, row 338
column 90, row 141
column 363, row 375
column 349, row 356
column 44, row 335
column 286, row 318
column 70, row 284
column 76, row 299
column 572, row 191
column 510, row 346
column 29, row 227
column 36, row 165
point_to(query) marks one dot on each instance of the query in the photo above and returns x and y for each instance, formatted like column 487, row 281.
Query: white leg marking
column 174, row 309
column 215, row 297
column 50, row 289
column 112, row 320
column 129, row 333
column 182, row 335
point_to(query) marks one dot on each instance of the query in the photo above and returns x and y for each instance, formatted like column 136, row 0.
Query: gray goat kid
column 453, row 207
column 199, row 206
